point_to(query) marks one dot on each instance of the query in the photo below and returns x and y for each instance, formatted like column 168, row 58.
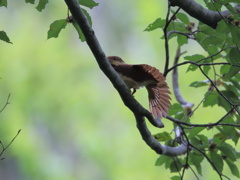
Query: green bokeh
column 74, row 125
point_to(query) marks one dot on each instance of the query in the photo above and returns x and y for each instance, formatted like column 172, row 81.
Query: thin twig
column 7, row 102
column 4, row 148
column 166, row 36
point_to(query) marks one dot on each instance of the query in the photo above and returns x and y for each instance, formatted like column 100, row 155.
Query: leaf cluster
column 220, row 64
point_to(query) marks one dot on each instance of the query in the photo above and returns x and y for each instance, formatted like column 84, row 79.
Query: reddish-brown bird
column 139, row 75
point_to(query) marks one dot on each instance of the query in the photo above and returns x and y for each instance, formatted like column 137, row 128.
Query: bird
column 136, row 76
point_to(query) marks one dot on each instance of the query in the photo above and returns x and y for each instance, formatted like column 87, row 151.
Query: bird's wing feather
column 158, row 93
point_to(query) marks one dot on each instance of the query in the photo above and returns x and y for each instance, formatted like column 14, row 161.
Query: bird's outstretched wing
column 158, row 93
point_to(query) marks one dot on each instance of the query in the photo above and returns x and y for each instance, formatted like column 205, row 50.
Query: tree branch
column 186, row 105
column 208, row 17
column 120, row 86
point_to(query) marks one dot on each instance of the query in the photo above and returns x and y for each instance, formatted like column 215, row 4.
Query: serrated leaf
column 232, row 72
column 232, row 167
column 4, row 37
column 204, row 142
column 41, row 5
column 192, row 67
column 87, row 15
column 221, row 28
column 3, row 3
column 79, row 31
column 199, row 84
column 234, row 56
column 56, row 27
column 175, row 166
column 163, row 136
column 162, row 160
column 235, row 33
column 88, row 3
column 30, row 1
column 224, row 69
column 230, row 131
column 228, row 150
column 196, row 158
column 184, row 18
column 174, row 109
column 181, row 40
column 210, row 99
column 206, row 69
column 229, row 7
column 219, row 138
column 217, row 160
column 195, row 57
column 158, row 23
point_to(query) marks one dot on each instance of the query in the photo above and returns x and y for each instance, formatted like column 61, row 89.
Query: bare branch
column 166, row 37
column 185, row 104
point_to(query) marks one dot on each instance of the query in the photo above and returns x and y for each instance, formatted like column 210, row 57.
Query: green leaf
column 229, row 7
column 181, row 39
column 192, row 67
column 204, row 141
column 232, row 72
column 162, row 160
column 88, row 3
column 4, row 37
column 174, row 109
column 195, row 131
column 235, row 33
column 199, row 84
column 224, row 69
column 221, row 28
column 175, row 166
column 175, row 178
column 228, row 151
column 184, row 18
column 200, row 141
column 158, row 23
column 214, row 40
column 79, row 31
column 230, row 131
column 30, row 1
column 56, row 27
column 41, row 5
column 217, row 160
column 3, row 3
column 194, row 58
column 162, row 137
column 232, row 167
column 88, row 16
column 210, row 99
column 196, row 158
column 234, row 56
column 219, row 138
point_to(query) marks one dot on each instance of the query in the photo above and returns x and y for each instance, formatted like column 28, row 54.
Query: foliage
column 220, row 67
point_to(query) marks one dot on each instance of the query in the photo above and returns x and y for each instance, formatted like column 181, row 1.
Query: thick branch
column 208, row 17
column 154, row 144
column 118, row 83
column 104, row 64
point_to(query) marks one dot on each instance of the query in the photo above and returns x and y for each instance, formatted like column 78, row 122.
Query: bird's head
column 115, row 60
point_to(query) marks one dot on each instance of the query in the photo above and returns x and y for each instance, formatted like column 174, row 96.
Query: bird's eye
column 114, row 58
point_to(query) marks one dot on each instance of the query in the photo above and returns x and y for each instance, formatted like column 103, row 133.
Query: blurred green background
column 74, row 124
